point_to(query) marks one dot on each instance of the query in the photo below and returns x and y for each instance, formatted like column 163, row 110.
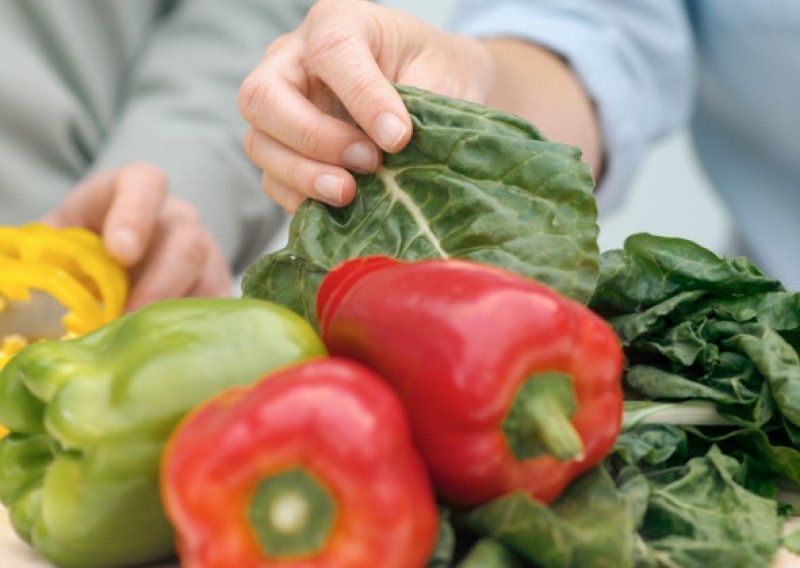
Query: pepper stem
column 538, row 421
column 292, row 514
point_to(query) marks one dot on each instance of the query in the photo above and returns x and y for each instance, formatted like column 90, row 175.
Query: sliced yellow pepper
column 71, row 265
column 80, row 256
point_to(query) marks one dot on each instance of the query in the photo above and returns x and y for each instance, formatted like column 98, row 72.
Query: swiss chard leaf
column 779, row 457
column 650, row 443
column 444, row 551
column 473, row 183
column 650, row 269
column 488, row 553
column 698, row 515
column 588, row 525
column 698, row 327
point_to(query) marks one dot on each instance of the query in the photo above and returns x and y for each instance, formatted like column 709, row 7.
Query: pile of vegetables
column 446, row 374
column 89, row 417
column 707, row 464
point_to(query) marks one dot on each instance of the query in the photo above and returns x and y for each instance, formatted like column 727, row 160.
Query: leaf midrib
column 397, row 194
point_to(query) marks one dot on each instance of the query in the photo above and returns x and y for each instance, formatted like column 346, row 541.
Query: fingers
column 182, row 260
column 287, row 171
column 122, row 205
column 363, row 87
column 282, row 112
column 304, row 151
column 302, row 98
column 160, row 238
column 139, row 193
column 282, row 194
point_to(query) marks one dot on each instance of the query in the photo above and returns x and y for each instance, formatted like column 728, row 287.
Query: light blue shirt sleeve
column 635, row 59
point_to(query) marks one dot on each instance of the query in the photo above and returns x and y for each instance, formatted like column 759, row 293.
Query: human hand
column 158, row 237
column 317, row 85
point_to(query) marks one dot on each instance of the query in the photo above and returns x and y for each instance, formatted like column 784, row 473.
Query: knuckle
column 294, row 172
column 310, row 138
column 326, row 43
column 253, row 97
column 362, row 86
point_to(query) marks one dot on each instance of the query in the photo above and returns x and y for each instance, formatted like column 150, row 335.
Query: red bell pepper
column 313, row 466
column 507, row 384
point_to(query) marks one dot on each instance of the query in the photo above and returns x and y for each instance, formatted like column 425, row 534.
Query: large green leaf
column 698, row 515
column 473, row 183
column 588, row 525
column 693, row 504
column 651, row 269
column 700, row 328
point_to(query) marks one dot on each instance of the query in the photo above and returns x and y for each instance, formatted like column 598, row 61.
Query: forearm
column 538, row 85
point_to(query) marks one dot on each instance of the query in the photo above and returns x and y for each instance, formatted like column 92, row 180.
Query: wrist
column 538, row 85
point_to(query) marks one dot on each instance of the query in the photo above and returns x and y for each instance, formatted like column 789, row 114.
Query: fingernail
column 329, row 188
column 361, row 157
column 389, row 130
column 125, row 245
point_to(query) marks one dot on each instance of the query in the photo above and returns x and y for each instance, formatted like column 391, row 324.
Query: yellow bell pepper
column 11, row 345
column 72, row 266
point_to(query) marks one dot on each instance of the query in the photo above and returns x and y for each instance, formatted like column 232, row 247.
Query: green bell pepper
column 89, row 418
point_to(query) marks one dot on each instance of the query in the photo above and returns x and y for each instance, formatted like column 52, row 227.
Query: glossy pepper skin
column 89, row 418
column 507, row 384
column 311, row 467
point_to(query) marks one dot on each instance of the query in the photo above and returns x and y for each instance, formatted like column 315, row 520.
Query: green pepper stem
column 539, row 419
column 548, row 419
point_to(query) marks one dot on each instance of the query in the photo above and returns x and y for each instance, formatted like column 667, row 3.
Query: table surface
column 14, row 553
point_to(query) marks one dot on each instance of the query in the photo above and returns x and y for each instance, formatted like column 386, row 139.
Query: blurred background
column 670, row 196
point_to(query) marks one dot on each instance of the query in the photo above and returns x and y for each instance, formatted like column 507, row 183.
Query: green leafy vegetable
column 473, row 183
column 698, row 327
column 588, row 525
column 699, row 515
column 651, row 443
column 488, row 553
column 713, row 382
column 443, row 553
column 651, row 269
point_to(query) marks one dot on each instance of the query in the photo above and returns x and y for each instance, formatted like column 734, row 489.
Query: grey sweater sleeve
column 179, row 112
